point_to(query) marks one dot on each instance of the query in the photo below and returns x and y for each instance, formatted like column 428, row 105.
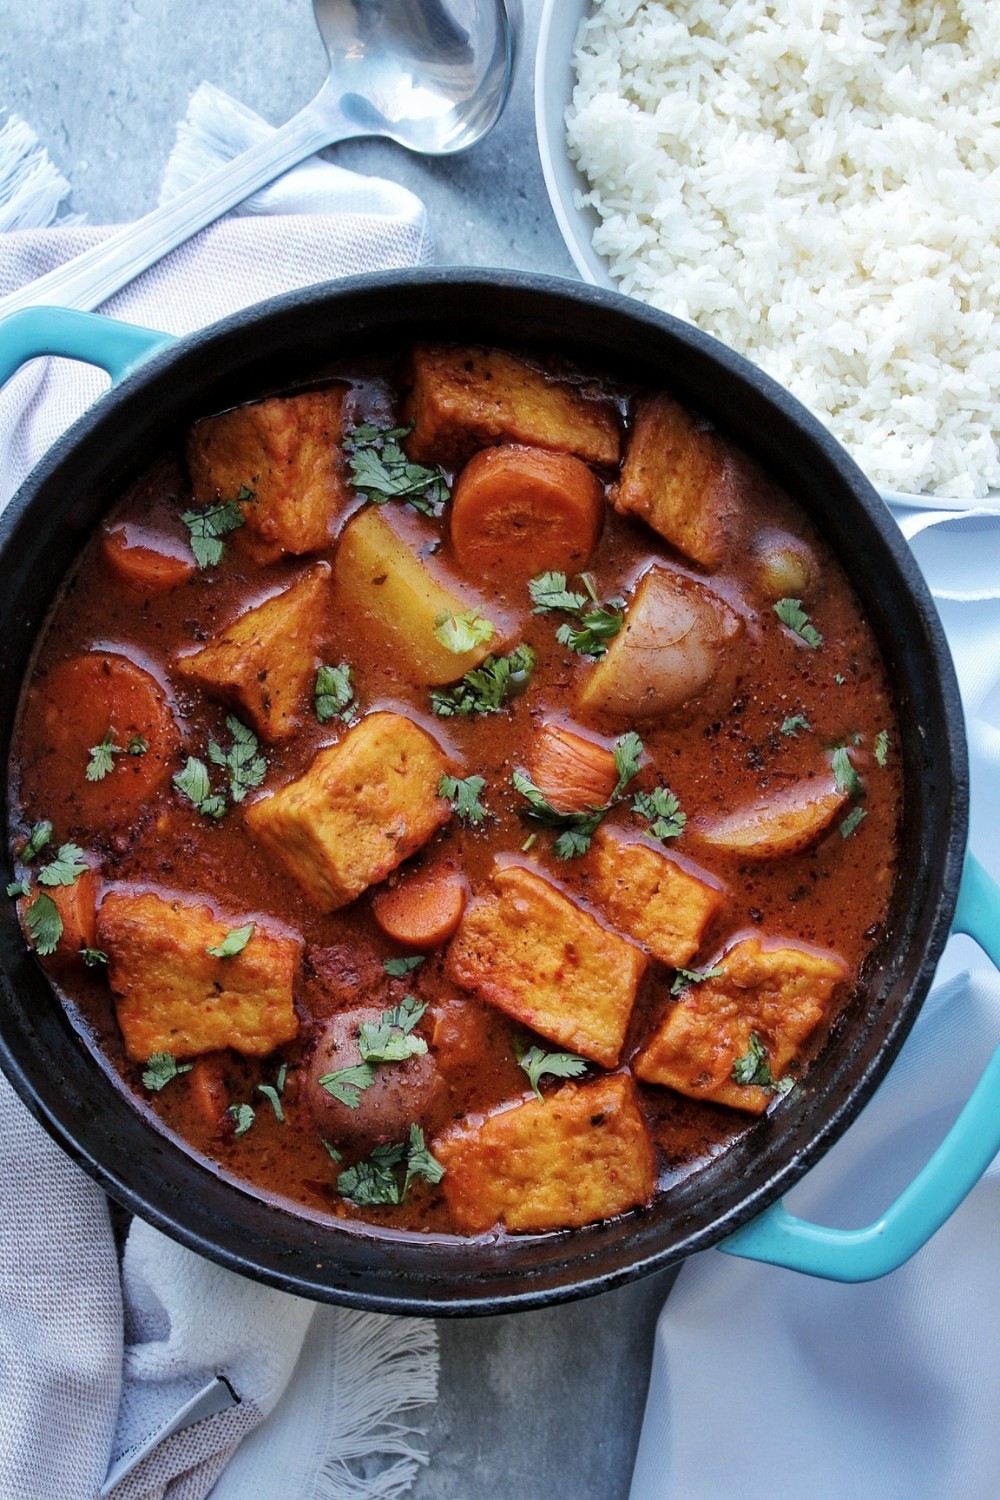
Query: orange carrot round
column 422, row 910
column 145, row 561
column 525, row 510
column 571, row 772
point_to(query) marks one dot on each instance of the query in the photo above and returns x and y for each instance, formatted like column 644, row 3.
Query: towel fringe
column 31, row 186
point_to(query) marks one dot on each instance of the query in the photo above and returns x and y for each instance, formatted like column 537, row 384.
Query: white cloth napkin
column 771, row 1385
column 103, row 1371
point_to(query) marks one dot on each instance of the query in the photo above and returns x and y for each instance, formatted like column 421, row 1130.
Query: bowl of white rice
column 814, row 182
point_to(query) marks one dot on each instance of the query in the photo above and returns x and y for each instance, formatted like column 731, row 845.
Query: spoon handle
column 89, row 279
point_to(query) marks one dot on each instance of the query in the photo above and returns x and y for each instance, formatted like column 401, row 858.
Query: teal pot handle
column 853, row 1255
column 38, row 331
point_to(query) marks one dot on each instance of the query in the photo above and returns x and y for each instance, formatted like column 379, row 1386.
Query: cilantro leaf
column 271, row 1094
column 791, row 613
column 685, row 977
column 844, row 774
column 461, row 633
column 44, row 924
column 242, row 1116
column 851, row 822
column 882, row 747
column 138, row 745
column 397, row 967
column 596, row 623
column 662, row 812
column 596, row 628
column 381, row 471
column 245, row 766
column 536, row 1062
column 628, row 753
column 20, row 887
column 406, row 1014
column 94, row 958
column 39, row 836
column 373, row 1183
column 161, row 1068
column 420, row 1162
column 794, row 723
column 391, row 1039
column 486, row 688
column 333, row 695
column 210, row 524
column 754, row 1068
column 549, row 592
column 578, row 828
column 102, row 757
column 67, row 867
column 348, row 1084
column 234, row 942
column 463, row 794
column 194, row 784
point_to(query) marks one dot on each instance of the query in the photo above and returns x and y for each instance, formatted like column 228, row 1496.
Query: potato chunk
column 650, row 896
column 789, row 820
column 172, row 995
column 381, row 581
column 286, row 451
column 526, row 948
column 364, row 805
column 265, row 660
column 674, row 477
column 779, row 994
column 463, row 399
column 576, row 1156
column 670, row 649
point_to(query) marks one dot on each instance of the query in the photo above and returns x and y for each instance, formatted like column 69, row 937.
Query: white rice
column 817, row 183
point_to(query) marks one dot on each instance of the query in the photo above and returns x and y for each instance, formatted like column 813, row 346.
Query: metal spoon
column 432, row 75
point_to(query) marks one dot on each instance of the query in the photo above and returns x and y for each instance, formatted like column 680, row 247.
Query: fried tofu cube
column 674, row 477
column 173, row 995
column 285, row 452
column 651, row 897
column 380, row 580
column 265, row 661
column 779, row 995
column 463, row 399
column 526, row 948
column 363, row 806
column 576, row 1156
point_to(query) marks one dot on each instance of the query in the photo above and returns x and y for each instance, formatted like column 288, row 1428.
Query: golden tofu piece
column 650, row 896
column 286, row 451
column 265, row 661
column 674, row 477
column 778, row 994
column 172, row 995
column 576, row 1156
column 464, row 399
column 526, row 948
column 381, row 581
column 364, row 805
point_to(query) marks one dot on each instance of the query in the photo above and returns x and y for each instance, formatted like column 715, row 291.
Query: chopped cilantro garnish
column 548, row 592
column 463, row 794
column 882, row 747
column 333, row 695
column 844, row 774
column 791, row 613
column 662, row 812
column 390, row 1039
column 754, row 1068
column 397, row 967
column 348, row 1084
column 461, row 633
column 138, row 745
column 94, row 958
column 272, row 1096
column 486, row 688
column 194, row 784
column 376, row 1182
column 210, row 524
column 39, row 836
column 246, row 767
column 596, row 623
column 590, row 637
column 839, row 678
column 20, row 887
column 851, row 822
column 628, row 753
column 420, row 1162
column 381, row 471
column 234, row 942
column 684, row 977
column 536, row 1061
column 794, row 723
column 578, row 828
column 44, row 924
column 102, row 757
column 161, row 1068
column 67, row 867
column 242, row 1117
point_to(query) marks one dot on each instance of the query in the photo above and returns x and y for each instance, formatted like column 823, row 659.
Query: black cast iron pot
column 162, row 387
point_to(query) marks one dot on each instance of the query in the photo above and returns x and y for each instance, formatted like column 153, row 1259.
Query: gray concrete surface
column 533, row 1406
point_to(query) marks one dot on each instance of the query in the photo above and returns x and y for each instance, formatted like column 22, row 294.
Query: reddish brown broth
column 833, row 897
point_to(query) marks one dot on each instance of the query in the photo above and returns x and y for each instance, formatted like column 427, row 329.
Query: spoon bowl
column 431, row 75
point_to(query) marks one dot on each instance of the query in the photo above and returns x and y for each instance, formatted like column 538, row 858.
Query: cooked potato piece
column 463, row 399
column 285, row 451
column 786, row 821
column 172, row 995
column 401, row 1094
column 526, row 948
column 265, row 660
column 785, row 565
column 674, row 477
column 364, row 805
column 381, row 581
column 778, row 994
column 571, row 772
column 650, row 896
column 576, row 1156
column 669, row 650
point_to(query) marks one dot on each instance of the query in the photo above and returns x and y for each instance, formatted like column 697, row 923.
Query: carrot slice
column 145, row 561
column 423, row 909
column 207, row 1090
column 524, row 510
column 572, row 773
